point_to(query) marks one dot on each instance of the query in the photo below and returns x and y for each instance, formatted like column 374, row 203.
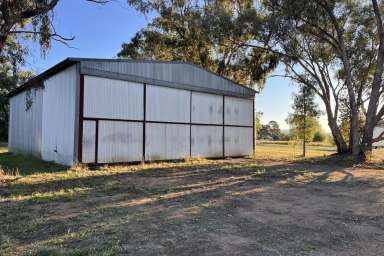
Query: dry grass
column 377, row 155
column 290, row 150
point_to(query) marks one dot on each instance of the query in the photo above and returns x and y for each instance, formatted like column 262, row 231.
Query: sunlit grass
column 291, row 150
column 377, row 156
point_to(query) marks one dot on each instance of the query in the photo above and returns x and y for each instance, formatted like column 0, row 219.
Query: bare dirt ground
column 227, row 207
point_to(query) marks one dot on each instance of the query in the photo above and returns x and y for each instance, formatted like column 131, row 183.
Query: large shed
column 114, row 111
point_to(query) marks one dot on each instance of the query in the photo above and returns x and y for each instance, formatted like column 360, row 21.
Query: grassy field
column 274, row 204
column 291, row 150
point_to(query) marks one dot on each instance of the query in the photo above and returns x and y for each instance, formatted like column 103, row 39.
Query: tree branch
column 379, row 138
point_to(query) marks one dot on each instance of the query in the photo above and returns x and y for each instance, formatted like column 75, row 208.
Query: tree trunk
column 342, row 147
column 354, row 142
column 372, row 118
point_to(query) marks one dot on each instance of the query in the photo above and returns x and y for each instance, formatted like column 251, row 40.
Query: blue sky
column 100, row 30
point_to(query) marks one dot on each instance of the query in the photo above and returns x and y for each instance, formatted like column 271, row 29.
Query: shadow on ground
column 227, row 207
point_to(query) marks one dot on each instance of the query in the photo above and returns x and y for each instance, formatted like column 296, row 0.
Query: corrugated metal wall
column 238, row 141
column 166, row 141
column 89, row 142
column 207, row 108
column 59, row 113
column 207, row 141
column 238, row 111
column 167, row 104
column 119, row 141
column 178, row 123
column 25, row 123
column 116, row 99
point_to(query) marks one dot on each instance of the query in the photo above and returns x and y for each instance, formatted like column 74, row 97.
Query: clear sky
column 100, row 30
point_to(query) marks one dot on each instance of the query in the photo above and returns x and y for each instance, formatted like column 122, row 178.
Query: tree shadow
column 149, row 208
column 26, row 165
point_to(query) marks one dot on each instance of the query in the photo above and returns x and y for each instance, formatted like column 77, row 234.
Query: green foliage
column 211, row 35
column 258, row 124
column 10, row 77
column 319, row 136
column 297, row 131
column 270, row 131
column 304, row 120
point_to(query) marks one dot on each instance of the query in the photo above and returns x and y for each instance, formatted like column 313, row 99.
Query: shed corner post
column 223, row 126
column 144, row 120
column 81, row 117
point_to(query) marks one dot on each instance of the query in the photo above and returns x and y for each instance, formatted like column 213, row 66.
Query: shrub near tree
column 270, row 131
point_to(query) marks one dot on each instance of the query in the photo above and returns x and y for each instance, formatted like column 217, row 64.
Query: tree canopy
column 207, row 33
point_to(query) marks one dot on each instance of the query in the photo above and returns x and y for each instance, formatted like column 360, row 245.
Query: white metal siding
column 110, row 98
column 120, row 141
column 207, row 108
column 207, row 141
column 58, row 121
column 89, row 143
column 166, row 141
column 25, row 124
column 238, row 111
column 238, row 141
column 376, row 133
column 167, row 104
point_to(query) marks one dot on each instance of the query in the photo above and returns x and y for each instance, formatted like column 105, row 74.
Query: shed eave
column 41, row 77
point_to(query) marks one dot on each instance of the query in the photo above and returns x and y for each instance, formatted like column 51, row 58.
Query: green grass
column 25, row 165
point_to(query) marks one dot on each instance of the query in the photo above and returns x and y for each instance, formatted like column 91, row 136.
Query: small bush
column 319, row 137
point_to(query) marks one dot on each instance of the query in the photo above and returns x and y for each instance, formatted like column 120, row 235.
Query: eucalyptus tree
column 197, row 31
column 33, row 18
column 352, row 34
column 336, row 47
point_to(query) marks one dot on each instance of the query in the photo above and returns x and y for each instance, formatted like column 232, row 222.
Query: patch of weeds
column 5, row 245
column 235, row 194
column 308, row 247
column 108, row 248
column 38, row 197
column 208, row 205
column 306, row 177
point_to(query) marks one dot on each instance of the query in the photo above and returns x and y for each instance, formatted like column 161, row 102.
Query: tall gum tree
column 353, row 32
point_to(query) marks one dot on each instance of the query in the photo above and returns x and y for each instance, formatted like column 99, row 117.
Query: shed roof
column 175, row 74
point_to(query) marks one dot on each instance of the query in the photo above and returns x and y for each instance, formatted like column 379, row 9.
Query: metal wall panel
column 238, row 111
column 167, row 104
column 238, row 141
column 207, row 141
column 25, row 123
column 207, row 108
column 58, row 121
column 89, row 141
column 376, row 133
column 110, row 98
column 166, row 141
column 120, row 141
